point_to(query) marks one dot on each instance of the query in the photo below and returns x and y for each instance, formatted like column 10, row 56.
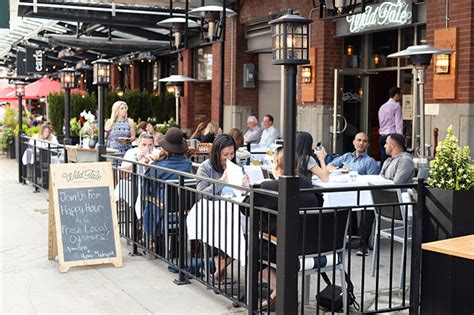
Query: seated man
column 141, row 153
column 270, row 133
column 358, row 160
column 399, row 168
column 254, row 133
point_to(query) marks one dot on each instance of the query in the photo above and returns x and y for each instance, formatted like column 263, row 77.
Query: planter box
column 448, row 214
column 11, row 153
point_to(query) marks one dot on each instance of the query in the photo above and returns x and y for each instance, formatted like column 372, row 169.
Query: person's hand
column 224, row 176
column 246, row 181
column 321, row 154
column 143, row 152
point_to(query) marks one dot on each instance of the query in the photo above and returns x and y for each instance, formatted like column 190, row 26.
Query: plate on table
column 341, row 178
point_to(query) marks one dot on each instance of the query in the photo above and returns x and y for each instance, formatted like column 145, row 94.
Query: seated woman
column 223, row 149
column 198, row 132
column 172, row 156
column 46, row 134
column 209, row 134
column 241, row 154
column 268, row 223
column 150, row 128
column 308, row 164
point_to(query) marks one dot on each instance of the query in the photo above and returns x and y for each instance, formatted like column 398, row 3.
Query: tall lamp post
column 420, row 57
column 68, row 81
column 101, row 79
column 175, row 84
column 20, row 92
column 290, row 48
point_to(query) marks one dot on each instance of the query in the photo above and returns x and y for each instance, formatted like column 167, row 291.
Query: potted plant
column 450, row 194
column 7, row 142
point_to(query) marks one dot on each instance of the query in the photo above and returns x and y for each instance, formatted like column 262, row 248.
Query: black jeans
column 365, row 227
column 383, row 155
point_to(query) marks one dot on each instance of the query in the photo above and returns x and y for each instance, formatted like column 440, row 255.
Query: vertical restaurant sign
column 390, row 13
column 34, row 60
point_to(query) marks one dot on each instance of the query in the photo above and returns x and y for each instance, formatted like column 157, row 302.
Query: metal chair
column 325, row 248
column 392, row 214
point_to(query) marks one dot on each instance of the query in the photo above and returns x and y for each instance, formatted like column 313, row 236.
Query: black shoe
column 362, row 251
column 354, row 243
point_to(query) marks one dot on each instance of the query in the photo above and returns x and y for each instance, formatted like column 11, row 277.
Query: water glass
column 353, row 175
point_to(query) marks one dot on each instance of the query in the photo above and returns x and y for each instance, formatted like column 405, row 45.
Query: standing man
column 270, row 133
column 254, row 133
column 390, row 119
column 358, row 160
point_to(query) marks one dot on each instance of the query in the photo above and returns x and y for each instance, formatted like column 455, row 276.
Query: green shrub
column 75, row 126
column 8, row 136
column 452, row 168
column 10, row 118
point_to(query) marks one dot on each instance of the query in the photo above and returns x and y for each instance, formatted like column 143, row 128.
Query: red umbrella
column 40, row 88
column 5, row 91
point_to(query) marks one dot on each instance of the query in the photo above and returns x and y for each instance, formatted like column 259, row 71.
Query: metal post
column 287, row 219
column 421, row 96
column 182, row 237
column 334, row 117
column 414, row 120
column 176, row 97
column 417, row 232
column 252, row 296
column 101, row 148
column 67, row 116
column 20, row 132
column 221, row 97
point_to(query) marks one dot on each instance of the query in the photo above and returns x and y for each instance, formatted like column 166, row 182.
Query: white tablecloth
column 350, row 198
column 219, row 216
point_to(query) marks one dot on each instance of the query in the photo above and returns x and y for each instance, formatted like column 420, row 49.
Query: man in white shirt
column 146, row 146
column 270, row 133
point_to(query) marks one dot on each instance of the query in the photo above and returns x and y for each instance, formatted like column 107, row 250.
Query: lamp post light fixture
column 290, row 48
column 68, row 81
column 102, row 79
column 177, row 27
column 20, row 92
column 175, row 84
column 306, row 74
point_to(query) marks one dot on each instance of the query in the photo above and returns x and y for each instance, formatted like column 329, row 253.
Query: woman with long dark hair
column 307, row 163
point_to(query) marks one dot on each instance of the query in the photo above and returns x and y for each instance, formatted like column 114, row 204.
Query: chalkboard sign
column 83, row 222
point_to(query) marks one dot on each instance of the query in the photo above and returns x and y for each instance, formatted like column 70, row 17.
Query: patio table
column 209, row 220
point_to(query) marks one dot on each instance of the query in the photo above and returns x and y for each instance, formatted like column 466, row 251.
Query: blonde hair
column 43, row 127
column 115, row 108
column 211, row 127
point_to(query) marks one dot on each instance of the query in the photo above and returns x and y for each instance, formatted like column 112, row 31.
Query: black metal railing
column 228, row 241
column 36, row 157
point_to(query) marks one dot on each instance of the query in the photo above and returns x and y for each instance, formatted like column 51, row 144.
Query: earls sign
column 34, row 60
column 391, row 13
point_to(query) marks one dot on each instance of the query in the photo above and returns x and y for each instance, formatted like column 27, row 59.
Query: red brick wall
column 461, row 15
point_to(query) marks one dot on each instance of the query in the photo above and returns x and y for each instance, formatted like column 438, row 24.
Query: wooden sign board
column 444, row 85
column 83, row 227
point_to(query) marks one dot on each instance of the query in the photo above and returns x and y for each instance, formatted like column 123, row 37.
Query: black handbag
column 331, row 297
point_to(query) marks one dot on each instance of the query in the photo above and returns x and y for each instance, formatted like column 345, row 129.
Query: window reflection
column 203, row 63
column 383, row 44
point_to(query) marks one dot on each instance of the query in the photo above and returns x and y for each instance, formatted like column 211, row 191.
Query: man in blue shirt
column 362, row 163
column 358, row 160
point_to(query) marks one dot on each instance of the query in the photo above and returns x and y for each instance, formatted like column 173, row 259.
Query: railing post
column 181, row 237
column 287, row 252
column 252, row 293
column 415, row 276
column 132, row 207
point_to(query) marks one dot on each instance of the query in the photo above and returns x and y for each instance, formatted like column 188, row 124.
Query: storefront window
column 203, row 63
column 352, row 52
column 421, row 35
column 383, row 44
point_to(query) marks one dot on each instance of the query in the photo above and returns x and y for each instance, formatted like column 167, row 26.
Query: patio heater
column 175, row 84
column 68, row 82
column 214, row 15
column 177, row 26
column 20, row 92
column 420, row 57
column 290, row 48
column 101, row 79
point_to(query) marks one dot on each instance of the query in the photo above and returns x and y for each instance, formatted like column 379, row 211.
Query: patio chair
column 389, row 214
column 321, row 256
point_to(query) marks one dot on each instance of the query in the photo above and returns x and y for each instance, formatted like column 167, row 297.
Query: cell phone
column 318, row 146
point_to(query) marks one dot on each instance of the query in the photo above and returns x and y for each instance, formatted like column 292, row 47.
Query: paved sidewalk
column 30, row 283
